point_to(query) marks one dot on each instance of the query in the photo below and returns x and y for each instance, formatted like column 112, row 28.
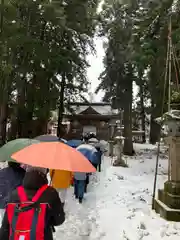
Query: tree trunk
column 12, row 134
column 143, row 115
column 4, row 107
column 61, row 107
column 21, row 113
column 31, row 98
column 3, row 123
column 40, row 127
column 128, row 144
column 155, row 131
column 2, row 17
column 4, row 100
column 44, row 114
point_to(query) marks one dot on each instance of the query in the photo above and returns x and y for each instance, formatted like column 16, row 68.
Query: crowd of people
column 36, row 205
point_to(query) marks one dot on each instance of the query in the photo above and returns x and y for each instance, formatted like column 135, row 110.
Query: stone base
column 171, row 194
column 120, row 164
column 168, row 202
column 171, row 200
column 165, row 212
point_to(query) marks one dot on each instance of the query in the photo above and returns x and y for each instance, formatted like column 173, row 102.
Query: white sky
column 96, row 67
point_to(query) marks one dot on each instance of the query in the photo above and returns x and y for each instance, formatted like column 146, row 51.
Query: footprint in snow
column 131, row 216
column 85, row 230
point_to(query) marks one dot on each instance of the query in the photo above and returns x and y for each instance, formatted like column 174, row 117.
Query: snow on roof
column 171, row 115
column 103, row 110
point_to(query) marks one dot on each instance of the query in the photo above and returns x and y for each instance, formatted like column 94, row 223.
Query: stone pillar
column 119, row 140
column 111, row 148
column 174, row 155
column 168, row 201
column 119, row 162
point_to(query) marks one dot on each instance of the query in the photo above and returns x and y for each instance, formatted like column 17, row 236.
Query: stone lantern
column 111, row 140
column 168, row 202
column 119, row 139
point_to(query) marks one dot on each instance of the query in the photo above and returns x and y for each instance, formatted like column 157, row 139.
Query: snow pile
column 118, row 203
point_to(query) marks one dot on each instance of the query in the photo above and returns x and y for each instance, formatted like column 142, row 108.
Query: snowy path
column 82, row 220
column 118, row 204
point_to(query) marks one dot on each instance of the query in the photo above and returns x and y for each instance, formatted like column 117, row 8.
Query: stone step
column 161, row 195
column 166, row 212
column 172, row 187
column 172, row 201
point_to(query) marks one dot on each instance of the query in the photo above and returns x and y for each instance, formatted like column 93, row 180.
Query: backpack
column 27, row 218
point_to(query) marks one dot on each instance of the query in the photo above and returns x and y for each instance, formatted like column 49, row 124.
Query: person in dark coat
column 34, row 179
column 99, row 156
column 79, row 185
column 10, row 178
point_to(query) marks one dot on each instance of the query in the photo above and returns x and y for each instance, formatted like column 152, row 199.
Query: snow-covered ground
column 118, row 203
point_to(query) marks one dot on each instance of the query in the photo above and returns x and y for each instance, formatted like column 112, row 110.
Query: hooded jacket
column 55, row 214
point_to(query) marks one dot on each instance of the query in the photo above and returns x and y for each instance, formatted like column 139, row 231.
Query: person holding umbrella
column 81, row 179
column 55, row 155
column 79, row 185
column 12, row 176
column 61, row 181
column 33, row 209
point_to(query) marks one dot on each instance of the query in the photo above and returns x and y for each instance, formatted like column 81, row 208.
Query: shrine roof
column 99, row 108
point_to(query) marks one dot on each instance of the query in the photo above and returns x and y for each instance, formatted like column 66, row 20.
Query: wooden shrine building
column 90, row 117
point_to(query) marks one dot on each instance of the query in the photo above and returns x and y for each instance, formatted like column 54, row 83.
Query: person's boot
column 80, row 200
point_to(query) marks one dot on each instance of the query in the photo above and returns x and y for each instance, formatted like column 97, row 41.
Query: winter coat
column 89, row 152
column 80, row 176
column 55, row 214
column 10, row 179
column 99, row 154
column 61, row 179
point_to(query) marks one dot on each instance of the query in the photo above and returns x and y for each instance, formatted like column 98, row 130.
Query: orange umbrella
column 54, row 155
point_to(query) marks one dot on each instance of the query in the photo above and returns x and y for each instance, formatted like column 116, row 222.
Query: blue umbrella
column 74, row 143
column 50, row 138
column 89, row 152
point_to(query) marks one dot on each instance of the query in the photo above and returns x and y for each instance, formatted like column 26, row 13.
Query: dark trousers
column 99, row 167
column 79, row 188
